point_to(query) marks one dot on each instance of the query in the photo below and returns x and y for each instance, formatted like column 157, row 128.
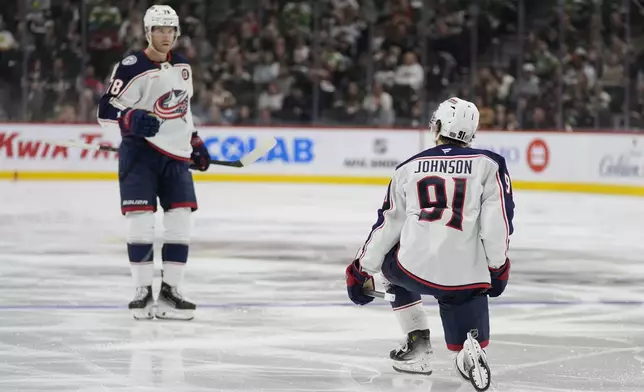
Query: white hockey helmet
column 160, row 15
column 459, row 120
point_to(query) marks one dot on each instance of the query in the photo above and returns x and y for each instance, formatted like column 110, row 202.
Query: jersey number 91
column 432, row 208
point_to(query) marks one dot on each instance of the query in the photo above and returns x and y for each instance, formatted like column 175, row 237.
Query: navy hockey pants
column 462, row 309
column 146, row 173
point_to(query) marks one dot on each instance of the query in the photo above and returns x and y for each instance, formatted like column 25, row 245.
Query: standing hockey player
column 443, row 230
column 148, row 100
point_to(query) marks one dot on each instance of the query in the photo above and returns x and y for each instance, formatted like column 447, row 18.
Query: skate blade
column 146, row 313
column 460, row 373
column 480, row 375
column 165, row 312
column 422, row 366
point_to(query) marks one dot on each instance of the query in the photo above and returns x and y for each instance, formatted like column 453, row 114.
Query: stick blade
column 77, row 144
column 69, row 143
column 263, row 147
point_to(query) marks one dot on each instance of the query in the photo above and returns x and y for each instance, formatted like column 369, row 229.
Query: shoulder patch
column 129, row 60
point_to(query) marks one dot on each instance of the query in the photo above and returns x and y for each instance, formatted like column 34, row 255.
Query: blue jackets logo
column 290, row 150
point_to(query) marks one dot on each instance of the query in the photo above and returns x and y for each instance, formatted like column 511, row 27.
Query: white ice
column 267, row 270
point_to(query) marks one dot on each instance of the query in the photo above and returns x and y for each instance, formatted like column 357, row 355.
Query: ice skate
column 142, row 306
column 415, row 355
column 471, row 364
column 172, row 305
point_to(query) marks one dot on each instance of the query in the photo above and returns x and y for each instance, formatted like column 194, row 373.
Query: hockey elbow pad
column 138, row 122
column 499, row 278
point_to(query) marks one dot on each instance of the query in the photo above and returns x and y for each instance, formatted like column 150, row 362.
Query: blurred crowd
column 351, row 62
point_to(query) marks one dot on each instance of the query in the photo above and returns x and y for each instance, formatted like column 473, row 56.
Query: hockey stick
column 262, row 148
column 379, row 294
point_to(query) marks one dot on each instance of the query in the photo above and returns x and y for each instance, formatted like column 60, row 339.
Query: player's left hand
column 356, row 280
column 499, row 279
column 200, row 158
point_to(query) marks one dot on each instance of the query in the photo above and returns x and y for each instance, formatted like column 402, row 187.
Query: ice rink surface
column 267, row 270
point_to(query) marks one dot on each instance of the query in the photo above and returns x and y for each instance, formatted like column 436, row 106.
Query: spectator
column 266, row 70
column 301, row 51
column 538, row 120
column 410, row 73
column 67, row 114
column 7, row 40
column 103, row 29
column 529, row 86
column 271, row 99
column 244, row 116
column 501, row 117
column 36, row 87
column 331, row 53
column 131, row 36
column 265, row 117
column 379, row 106
column 222, row 98
column 512, row 124
column 349, row 107
column 295, row 108
column 486, row 113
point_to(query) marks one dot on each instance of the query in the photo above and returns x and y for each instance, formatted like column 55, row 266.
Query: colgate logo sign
column 627, row 164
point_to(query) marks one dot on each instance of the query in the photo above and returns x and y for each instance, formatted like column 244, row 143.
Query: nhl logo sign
column 185, row 74
column 380, row 146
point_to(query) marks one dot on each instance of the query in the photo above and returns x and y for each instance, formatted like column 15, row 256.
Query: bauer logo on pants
column 135, row 202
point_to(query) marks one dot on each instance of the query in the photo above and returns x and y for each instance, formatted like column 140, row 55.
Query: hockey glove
column 499, row 279
column 200, row 157
column 138, row 122
column 356, row 280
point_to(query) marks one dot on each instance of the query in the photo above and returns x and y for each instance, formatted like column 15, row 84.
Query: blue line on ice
column 312, row 305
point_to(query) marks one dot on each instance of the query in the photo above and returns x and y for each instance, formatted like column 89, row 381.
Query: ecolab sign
column 292, row 150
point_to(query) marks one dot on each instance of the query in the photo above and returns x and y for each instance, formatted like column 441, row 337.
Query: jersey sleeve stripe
column 107, row 111
column 129, row 84
column 117, row 105
column 505, row 213
column 109, row 107
column 387, row 206
column 408, row 305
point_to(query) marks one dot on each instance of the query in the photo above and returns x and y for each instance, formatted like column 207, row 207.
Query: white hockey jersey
column 450, row 210
column 163, row 88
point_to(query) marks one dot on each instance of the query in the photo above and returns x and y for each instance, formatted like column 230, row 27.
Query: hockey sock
column 174, row 258
column 412, row 318
column 141, row 263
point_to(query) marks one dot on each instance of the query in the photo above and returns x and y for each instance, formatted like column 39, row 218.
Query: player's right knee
column 140, row 227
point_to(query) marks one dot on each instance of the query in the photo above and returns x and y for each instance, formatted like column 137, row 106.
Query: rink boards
column 555, row 161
